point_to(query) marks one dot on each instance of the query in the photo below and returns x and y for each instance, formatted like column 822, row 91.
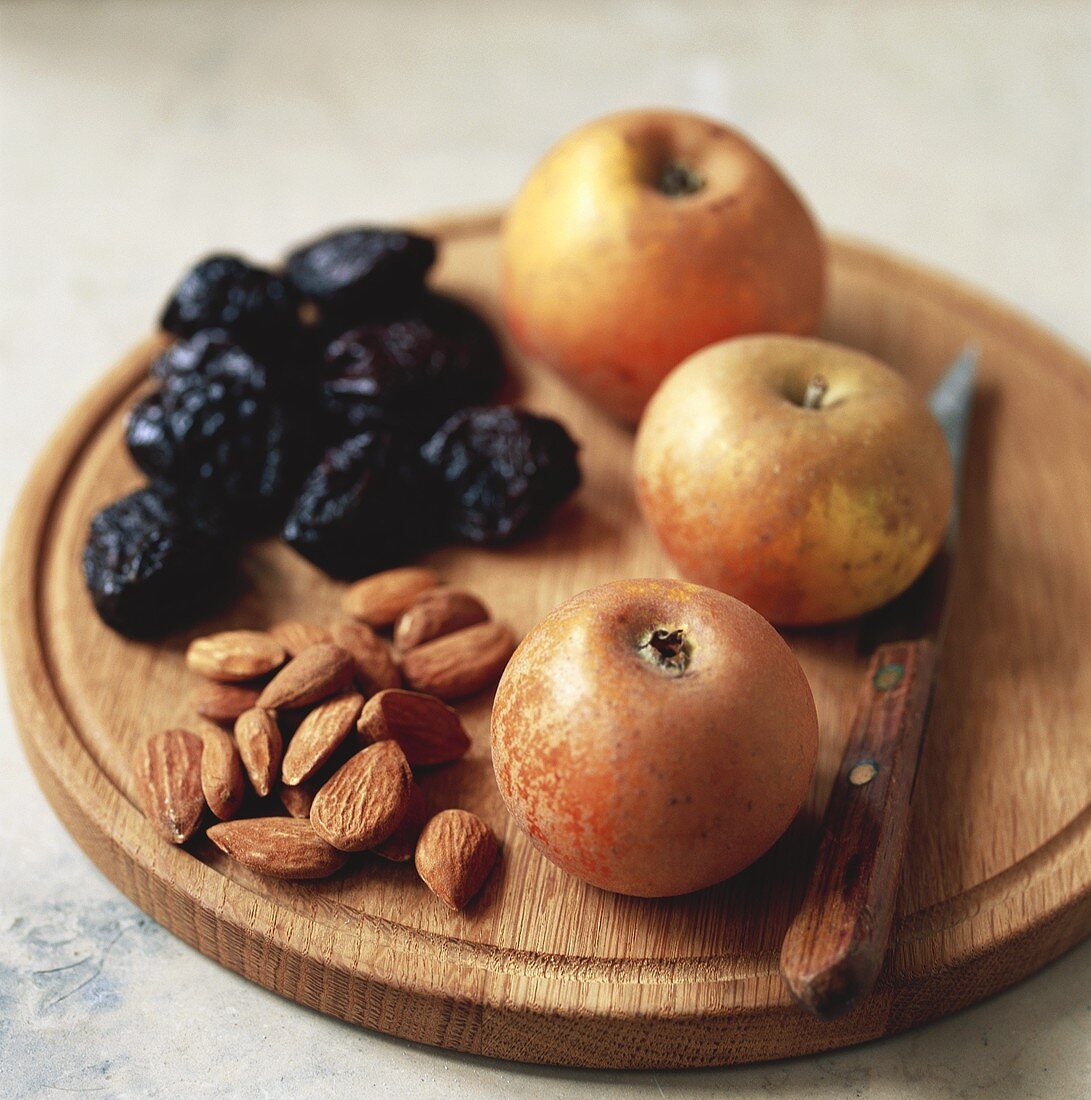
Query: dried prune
column 290, row 372
column 361, row 268
column 221, row 433
column 502, row 471
column 343, row 420
column 150, row 565
column 364, row 507
column 346, row 418
column 257, row 308
column 437, row 357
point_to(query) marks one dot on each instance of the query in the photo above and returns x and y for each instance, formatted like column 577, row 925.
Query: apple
column 647, row 235
column 653, row 737
column 807, row 479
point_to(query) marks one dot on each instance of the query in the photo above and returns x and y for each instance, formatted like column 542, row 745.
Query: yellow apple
column 645, row 236
column 807, row 479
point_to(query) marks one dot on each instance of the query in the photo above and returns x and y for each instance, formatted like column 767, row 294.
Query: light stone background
column 136, row 136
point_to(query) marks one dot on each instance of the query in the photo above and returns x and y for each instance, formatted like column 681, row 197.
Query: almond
column 366, row 800
column 429, row 731
column 319, row 735
column 221, row 773
column 375, row 667
column 379, row 599
column 455, row 854
column 168, row 782
column 283, row 847
column 234, row 655
column 312, row 674
column 461, row 663
column 296, row 636
column 402, row 842
column 222, row 702
column 435, row 612
column 299, row 799
column 260, row 746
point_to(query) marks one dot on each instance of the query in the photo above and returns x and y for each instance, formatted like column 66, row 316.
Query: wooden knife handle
column 834, row 948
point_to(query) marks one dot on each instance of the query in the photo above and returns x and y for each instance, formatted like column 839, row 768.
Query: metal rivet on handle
column 889, row 676
column 863, row 774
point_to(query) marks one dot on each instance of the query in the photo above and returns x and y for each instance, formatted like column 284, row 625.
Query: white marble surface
column 135, row 136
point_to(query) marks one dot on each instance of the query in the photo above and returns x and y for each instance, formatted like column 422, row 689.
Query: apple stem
column 679, row 179
column 816, row 390
column 667, row 649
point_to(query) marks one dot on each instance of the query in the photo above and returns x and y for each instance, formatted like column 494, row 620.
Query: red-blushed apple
column 653, row 737
column 807, row 479
column 646, row 235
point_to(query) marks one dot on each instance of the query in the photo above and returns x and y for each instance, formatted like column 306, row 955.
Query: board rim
column 174, row 886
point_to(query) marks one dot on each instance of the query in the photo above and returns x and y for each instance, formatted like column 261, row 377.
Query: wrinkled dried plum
column 356, row 269
column 366, row 506
column 437, row 357
column 344, row 419
column 150, row 566
column 256, row 308
column 503, row 470
column 221, row 433
column 290, row 373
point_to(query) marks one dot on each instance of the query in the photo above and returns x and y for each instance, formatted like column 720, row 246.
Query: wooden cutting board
column 542, row 968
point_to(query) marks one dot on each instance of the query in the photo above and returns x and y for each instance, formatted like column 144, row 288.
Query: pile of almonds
column 334, row 723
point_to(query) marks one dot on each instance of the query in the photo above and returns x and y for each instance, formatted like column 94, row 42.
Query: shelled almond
column 378, row 600
column 223, row 702
column 459, row 664
column 298, row 800
column 282, row 847
column 375, row 667
column 221, row 772
column 168, row 781
column 455, row 853
column 312, row 675
column 235, row 655
column 295, row 636
column 435, row 612
column 366, row 799
column 261, row 748
column 428, row 731
column 319, row 735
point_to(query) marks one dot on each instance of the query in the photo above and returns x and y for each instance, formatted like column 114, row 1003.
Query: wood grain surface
column 997, row 879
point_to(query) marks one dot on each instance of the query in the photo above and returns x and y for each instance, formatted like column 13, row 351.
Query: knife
column 834, row 947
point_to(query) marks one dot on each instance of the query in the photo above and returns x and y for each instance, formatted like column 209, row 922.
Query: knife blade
column 920, row 611
column 834, row 948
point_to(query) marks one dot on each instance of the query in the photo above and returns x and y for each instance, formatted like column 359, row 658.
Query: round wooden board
column 542, row 968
